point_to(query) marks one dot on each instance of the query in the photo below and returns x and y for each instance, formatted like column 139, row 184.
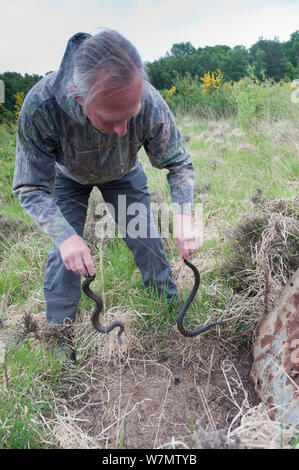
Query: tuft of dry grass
column 251, row 427
column 258, row 431
column 263, row 255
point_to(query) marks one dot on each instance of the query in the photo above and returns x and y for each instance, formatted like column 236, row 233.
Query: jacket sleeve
column 164, row 148
column 34, row 176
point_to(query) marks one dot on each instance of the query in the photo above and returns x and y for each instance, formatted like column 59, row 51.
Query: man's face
column 110, row 110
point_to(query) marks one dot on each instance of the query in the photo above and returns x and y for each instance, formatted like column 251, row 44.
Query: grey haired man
column 82, row 127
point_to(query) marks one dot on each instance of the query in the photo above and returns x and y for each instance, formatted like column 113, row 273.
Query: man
column 82, row 127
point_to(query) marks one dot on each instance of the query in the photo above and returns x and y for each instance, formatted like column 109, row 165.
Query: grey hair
column 108, row 51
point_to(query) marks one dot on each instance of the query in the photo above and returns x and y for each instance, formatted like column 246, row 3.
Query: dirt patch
column 12, row 228
column 156, row 395
column 188, row 392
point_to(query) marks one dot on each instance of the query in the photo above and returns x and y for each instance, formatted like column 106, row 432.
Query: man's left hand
column 186, row 237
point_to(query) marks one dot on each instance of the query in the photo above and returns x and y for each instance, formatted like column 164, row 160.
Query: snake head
column 90, row 278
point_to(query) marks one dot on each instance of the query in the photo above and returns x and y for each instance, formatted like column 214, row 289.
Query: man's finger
column 88, row 265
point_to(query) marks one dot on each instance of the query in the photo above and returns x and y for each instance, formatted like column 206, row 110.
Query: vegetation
column 16, row 88
column 243, row 140
column 182, row 70
column 269, row 59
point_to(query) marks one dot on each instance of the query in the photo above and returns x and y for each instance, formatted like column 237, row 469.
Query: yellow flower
column 19, row 100
column 211, row 82
column 169, row 94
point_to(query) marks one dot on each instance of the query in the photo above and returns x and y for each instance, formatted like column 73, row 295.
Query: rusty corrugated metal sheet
column 275, row 370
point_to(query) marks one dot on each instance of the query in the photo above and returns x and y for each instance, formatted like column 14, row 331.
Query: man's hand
column 186, row 237
column 76, row 256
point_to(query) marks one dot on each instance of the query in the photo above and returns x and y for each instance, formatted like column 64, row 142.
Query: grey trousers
column 62, row 288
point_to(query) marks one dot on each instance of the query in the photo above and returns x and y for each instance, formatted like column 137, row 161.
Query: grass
column 232, row 161
column 26, row 395
column 26, row 255
column 235, row 162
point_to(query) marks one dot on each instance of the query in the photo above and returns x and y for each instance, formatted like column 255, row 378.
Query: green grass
column 33, row 376
column 22, row 267
column 234, row 174
column 230, row 164
column 13, row 210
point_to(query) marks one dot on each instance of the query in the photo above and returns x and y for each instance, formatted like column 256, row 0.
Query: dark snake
column 106, row 329
column 97, row 310
column 186, row 305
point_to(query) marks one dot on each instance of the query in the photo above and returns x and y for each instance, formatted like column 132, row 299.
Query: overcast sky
column 34, row 33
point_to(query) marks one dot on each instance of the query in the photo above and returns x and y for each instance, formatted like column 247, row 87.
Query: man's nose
column 120, row 128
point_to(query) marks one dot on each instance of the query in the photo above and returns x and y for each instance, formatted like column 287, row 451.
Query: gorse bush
column 210, row 97
column 211, row 82
column 206, row 97
column 19, row 100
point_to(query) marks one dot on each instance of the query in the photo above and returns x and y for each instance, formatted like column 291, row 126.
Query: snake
column 97, row 310
column 182, row 312
column 180, row 318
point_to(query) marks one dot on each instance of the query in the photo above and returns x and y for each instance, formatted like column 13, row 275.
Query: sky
column 34, row 33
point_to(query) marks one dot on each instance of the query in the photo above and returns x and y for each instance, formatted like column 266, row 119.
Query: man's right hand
column 76, row 256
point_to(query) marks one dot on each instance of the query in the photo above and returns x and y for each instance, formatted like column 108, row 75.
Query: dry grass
column 160, row 391
column 263, row 255
column 176, row 392
column 147, row 396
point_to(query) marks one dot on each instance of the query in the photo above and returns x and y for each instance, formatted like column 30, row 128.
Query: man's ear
column 72, row 89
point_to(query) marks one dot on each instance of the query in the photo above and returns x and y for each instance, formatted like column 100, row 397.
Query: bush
column 207, row 99
column 256, row 100
column 248, row 99
column 7, row 159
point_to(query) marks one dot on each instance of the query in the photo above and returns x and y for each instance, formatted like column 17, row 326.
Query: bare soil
column 158, row 395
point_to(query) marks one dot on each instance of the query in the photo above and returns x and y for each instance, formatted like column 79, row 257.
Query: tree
column 182, row 48
column 236, row 63
column 291, row 51
column 15, row 84
column 269, row 56
column 260, row 63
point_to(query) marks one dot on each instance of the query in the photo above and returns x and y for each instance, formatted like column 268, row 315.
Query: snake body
column 97, row 310
column 186, row 305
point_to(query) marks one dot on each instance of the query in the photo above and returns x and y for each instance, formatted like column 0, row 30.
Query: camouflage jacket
column 54, row 132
